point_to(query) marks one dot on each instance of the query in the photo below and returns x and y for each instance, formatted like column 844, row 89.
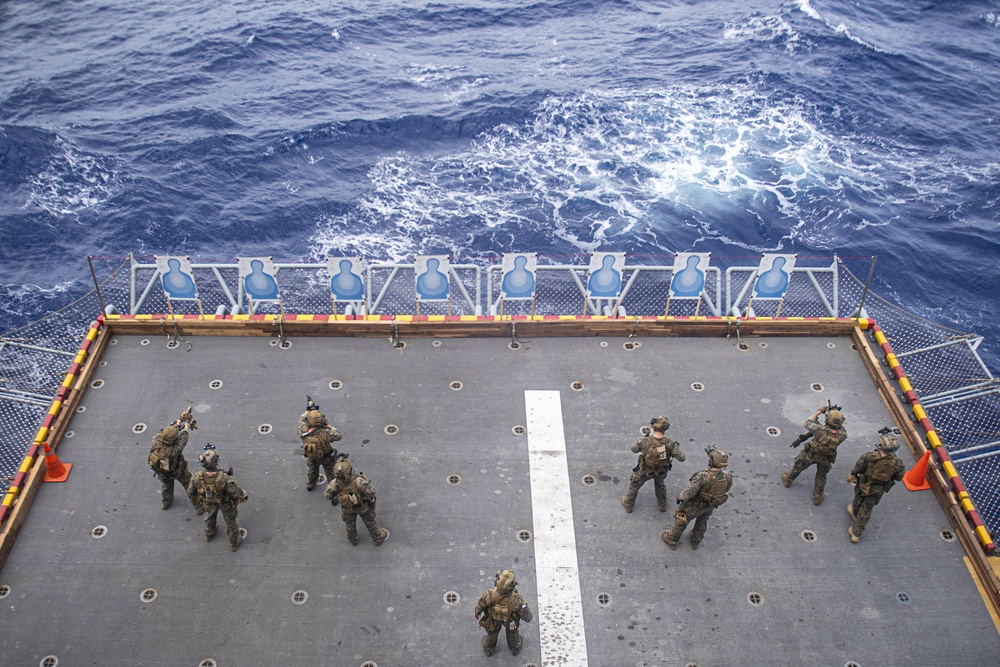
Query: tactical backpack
column 825, row 443
column 162, row 460
column 210, row 490
column 315, row 445
column 881, row 470
column 504, row 609
column 656, row 453
column 715, row 492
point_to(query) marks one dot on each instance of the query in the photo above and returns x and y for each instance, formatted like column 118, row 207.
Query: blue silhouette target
column 605, row 279
column 519, row 275
column 177, row 278
column 433, row 283
column 688, row 280
column 773, row 275
column 258, row 276
column 346, row 283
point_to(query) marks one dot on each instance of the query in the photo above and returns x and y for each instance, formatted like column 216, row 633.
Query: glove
column 851, row 479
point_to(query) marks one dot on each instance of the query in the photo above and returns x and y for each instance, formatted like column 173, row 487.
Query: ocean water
column 391, row 128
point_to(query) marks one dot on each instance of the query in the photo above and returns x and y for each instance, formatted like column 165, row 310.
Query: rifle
column 823, row 410
column 188, row 418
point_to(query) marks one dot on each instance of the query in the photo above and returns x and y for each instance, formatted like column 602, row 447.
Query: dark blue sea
column 387, row 129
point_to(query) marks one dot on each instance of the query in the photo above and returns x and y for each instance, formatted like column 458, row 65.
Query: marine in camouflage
column 502, row 607
column 706, row 490
column 166, row 458
column 356, row 497
column 316, row 434
column 873, row 475
column 820, row 450
column 648, row 469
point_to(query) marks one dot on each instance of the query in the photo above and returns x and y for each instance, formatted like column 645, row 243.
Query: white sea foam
column 808, row 10
column 72, row 182
column 763, row 29
column 617, row 167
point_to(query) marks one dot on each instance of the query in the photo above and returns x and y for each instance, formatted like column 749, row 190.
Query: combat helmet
column 169, row 434
column 834, row 418
column 660, row 424
column 209, row 458
column 505, row 581
column 315, row 418
column 343, row 469
column 716, row 457
column 888, row 443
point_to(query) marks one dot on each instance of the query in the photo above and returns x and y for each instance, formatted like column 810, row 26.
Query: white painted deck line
column 560, row 606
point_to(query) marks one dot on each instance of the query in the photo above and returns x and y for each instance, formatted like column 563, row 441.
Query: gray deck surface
column 825, row 602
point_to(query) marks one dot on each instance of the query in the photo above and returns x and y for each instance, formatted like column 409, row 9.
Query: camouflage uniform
column 698, row 502
column 823, row 438
column 867, row 490
column 215, row 491
column 502, row 607
column 642, row 472
column 356, row 497
column 316, row 435
column 166, row 458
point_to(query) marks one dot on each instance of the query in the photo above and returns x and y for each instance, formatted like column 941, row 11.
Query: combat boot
column 694, row 546
column 239, row 541
column 310, row 486
column 786, row 480
column 625, row 505
column 383, row 535
column 670, row 545
column 854, row 538
column 166, row 504
column 209, row 536
column 818, row 500
column 850, row 510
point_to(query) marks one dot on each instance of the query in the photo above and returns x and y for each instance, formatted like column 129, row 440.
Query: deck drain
column 524, row 535
column 697, row 386
column 321, row 479
column 400, row 345
column 454, row 480
column 243, row 533
column 98, row 532
column 435, row 343
column 97, row 384
column 744, row 346
column 369, row 663
column 148, row 595
column 4, row 591
column 851, row 663
column 171, row 344
column 519, row 430
column 831, row 345
column 207, row 662
column 215, row 384
column 645, row 430
column 69, row 434
column 285, row 344
column 577, row 386
column 854, row 346
column 49, row 661
column 451, row 598
column 808, row 536
column 273, row 342
column 816, row 386
column 773, row 431
column 692, row 664
column 336, row 384
column 947, row 536
column 603, row 599
column 631, row 345
column 456, row 385
column 113, row 341
column 144, row 341
column 103, row 363
column 299, row 597
column 139, row 428
column 589, row 480
column 904, row 598
column 391, row 429
column 604, row 343
column 82, row 408
column 756, row 599
column 264, row 429
column 514, row 345
column 762, row 345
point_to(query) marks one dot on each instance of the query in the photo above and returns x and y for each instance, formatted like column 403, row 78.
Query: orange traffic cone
column 916, row 478
column 55, row 470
